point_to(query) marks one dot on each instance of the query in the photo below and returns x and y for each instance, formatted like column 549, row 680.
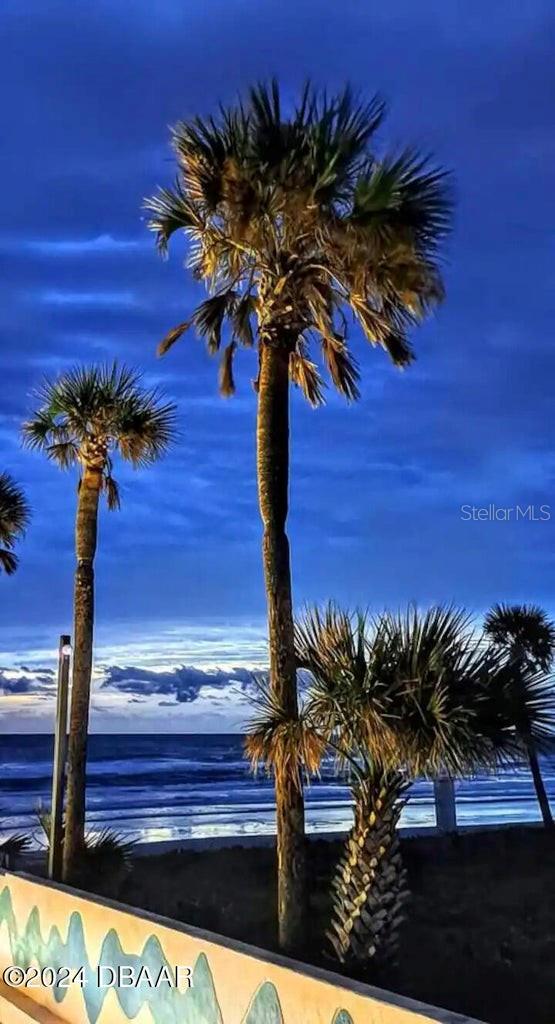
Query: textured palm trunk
column 273, row 486
column 369, row 887
column 539, row 785
column 83, row 626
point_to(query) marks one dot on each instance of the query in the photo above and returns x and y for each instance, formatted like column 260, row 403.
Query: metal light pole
column 55, row 850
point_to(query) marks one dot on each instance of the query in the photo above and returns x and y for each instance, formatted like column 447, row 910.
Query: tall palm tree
column 526, row 635
column 85, row 418
column 14, row 519
column 293, row 223
column 391, row 699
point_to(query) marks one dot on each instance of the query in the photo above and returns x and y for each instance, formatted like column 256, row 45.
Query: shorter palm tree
column 391, row 699
column 14, row 519
column 85, row 418
column 526, row 636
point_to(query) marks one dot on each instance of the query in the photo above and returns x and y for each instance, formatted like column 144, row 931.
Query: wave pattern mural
column 196, row 1005
column 265, row 1008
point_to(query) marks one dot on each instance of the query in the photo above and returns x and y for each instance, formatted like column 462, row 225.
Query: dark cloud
column 25, row 682
column 185, row 682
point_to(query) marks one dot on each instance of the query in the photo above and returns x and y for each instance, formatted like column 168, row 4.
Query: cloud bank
column 184, row 682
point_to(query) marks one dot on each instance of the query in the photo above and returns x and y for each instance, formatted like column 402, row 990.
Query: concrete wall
column 42, row 925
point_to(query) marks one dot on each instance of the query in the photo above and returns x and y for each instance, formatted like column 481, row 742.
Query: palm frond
column 172, row 336
column 51, row 434
column 524, row 699
column 292, row 745
column 210, row 315
column 267, row 121
column 8, row 561
column 15, row 512
column 145, row 428
column 227, row 383
column 171, row 211
column 111, row 489
column 531, row 700
column 241, row 315
column 342, row 366
column 64, row 453
column 107, row 849
column 398, row 349
column 304, row 374
column 36, row 433
column 405, row 193
column 12, row 848
column 338, row 129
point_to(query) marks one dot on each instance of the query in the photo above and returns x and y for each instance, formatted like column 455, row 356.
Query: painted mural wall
column 96, row 962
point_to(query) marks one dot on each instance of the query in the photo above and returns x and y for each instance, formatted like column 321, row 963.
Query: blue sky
column 377, row 489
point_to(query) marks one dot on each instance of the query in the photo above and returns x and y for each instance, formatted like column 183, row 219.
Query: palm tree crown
column 14, row 519
column 293, row 220
column 525, row 635
column 409, row 692
column 89, row 414
column 523, row 630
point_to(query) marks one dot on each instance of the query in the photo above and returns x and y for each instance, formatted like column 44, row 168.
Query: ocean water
column 173, row 787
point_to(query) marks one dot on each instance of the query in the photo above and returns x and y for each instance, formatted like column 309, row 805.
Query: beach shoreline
column 186, row 789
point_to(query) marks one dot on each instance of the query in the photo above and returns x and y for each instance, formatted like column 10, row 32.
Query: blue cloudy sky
column 88, row 92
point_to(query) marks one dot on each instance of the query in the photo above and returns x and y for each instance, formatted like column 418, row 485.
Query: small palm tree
column 526, row 635
column 295, row 225
column 391, row 699
column 104, row 861
column 14, row 519
column 85, row 418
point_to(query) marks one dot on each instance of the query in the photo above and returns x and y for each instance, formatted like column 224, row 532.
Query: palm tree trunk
column 539, row 785
column 369, row 888
column 83, row 625
column 273, row 486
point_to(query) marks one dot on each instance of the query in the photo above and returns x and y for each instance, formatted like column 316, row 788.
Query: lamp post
column 55, row 849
